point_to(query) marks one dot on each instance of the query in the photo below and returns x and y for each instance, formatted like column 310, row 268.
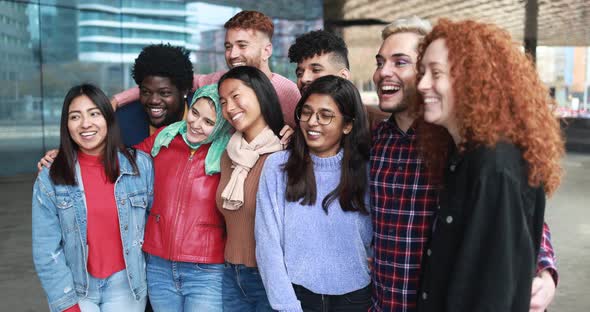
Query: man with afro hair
column 248, row 42
column 164, row 75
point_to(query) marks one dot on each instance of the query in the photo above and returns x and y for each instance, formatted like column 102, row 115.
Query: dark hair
column 63, row 169
column 256, row 80
column 167, row 61
column 301, row 183
column 319, row 42
column 251, row 20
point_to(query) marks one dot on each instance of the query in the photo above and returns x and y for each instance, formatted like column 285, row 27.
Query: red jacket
column 184, row 223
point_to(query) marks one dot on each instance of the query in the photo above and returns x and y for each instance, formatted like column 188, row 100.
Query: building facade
column 47, row 46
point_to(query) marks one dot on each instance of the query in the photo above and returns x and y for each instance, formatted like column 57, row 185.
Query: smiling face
column 318, row 66
column 200, row 120
column 323, row 139
column 395, row 75
column 246, row 47
column 240, row 108
column 162, row 100
column 87, row 126
column 436, row 86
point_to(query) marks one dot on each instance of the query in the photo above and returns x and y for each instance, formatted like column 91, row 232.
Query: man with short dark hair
column 318, row 53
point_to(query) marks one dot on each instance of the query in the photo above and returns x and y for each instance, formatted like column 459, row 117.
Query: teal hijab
column 218, row 137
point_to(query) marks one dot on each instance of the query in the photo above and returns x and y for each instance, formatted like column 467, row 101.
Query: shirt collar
column 390, row 126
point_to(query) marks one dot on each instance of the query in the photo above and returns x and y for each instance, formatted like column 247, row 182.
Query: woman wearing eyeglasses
column 312, row 228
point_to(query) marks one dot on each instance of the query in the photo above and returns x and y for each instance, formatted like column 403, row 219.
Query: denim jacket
column 60, row 248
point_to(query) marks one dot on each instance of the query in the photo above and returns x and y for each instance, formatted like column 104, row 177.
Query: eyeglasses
column 323, row 117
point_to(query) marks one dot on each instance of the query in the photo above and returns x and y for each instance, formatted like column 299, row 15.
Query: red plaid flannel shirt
column 403, row 205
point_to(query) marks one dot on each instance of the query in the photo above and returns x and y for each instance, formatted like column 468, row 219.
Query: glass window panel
column 208, row 62
column 61, row 3
column 47, row 46
column 21, row 110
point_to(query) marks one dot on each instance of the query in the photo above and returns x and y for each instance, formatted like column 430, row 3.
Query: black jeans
column 358, row 300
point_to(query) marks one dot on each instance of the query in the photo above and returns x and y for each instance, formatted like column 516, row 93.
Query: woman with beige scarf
column 250, row 104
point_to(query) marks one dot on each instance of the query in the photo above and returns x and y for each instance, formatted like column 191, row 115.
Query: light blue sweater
column 325, row 253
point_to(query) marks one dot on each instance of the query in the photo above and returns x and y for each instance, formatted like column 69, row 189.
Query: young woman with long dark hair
column 89, row 212
column 313, row 229
column 250, row 104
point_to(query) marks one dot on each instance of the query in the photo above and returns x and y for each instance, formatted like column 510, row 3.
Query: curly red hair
column 251, row 20
column 498, row 95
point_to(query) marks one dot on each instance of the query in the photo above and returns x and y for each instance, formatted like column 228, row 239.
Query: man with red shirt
column 403, row 202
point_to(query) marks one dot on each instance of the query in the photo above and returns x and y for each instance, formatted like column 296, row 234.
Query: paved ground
column 568, row 214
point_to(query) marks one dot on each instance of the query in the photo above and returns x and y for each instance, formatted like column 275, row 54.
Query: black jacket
column 486, row 235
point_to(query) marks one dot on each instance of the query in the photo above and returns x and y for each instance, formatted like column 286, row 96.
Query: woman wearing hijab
column 185, row 233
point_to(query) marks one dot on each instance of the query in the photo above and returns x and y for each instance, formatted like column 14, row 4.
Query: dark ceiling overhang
column 560, row 22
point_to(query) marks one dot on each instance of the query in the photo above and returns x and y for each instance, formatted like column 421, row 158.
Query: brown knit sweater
column 239, row 248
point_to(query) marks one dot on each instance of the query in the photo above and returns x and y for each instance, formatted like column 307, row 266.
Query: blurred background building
column 46, row 46
column 562, row 37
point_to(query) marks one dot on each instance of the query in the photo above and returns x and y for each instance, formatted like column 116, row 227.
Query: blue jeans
column 111, row 294
column 243, row 290
column 183, row 286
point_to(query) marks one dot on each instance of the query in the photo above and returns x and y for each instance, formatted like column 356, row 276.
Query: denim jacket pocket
column 66, row 213
column 138, row 201
column 137, row 208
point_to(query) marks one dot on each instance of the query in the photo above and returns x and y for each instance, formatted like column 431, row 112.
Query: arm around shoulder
column 201, row 80
column 125, row 97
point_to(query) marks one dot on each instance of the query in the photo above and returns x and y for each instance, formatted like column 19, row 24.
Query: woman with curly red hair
column 494, row 146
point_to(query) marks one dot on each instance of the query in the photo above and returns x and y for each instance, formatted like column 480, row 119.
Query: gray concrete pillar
column 531, row 27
